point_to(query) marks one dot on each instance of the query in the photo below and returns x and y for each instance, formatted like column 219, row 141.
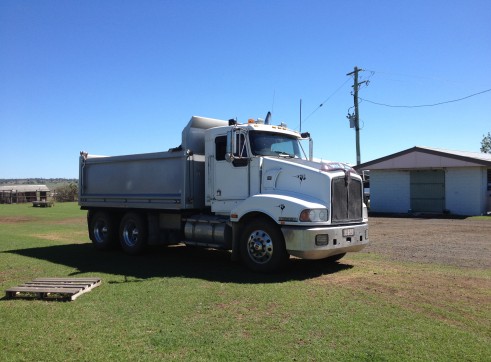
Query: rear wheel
column 102, row 230
column 263, row 246
column 133, row 233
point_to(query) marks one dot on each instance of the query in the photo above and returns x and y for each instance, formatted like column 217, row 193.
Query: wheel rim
column 130, row 234
column 260, row 247
column 100, row 231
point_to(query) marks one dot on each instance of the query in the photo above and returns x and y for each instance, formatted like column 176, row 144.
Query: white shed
column 430, row 180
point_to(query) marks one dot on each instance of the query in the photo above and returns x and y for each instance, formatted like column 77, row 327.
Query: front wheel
column 263, row 247
column 133, row 233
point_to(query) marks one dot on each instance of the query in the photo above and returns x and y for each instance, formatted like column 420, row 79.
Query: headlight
column 314, row 215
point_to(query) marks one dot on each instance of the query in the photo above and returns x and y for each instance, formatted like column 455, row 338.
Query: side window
column 220, row 148
column 240, row 152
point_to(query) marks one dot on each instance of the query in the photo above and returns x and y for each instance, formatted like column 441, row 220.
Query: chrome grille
column 346, row 200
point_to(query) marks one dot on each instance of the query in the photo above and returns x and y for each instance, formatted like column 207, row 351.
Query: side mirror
column 229, row 152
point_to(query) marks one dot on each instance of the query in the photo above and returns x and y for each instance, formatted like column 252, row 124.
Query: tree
column 486, row 143
column 66, row 193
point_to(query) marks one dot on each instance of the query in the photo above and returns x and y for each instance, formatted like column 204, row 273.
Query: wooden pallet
column 42, row 203
column 65, row 289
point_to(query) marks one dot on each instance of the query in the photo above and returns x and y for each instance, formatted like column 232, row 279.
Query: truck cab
column 260, row 174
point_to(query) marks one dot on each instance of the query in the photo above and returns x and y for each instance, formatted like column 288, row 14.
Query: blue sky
column 121, row 77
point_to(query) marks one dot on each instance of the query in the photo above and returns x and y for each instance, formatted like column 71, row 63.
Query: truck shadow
column 176, row 261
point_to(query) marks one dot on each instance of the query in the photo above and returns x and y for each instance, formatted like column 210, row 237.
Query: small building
column 430, row 180
column 16, row 194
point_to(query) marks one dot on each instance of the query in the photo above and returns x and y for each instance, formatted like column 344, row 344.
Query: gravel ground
column 463, row 243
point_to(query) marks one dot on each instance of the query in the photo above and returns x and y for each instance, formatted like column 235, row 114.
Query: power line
column 337, row 90
column 413, row 76
column 425, row 105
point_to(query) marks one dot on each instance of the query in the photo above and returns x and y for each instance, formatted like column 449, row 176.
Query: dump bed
column 172, row 180
column 163, row 180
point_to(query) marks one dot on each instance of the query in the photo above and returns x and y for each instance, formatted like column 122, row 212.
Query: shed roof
column 426, row 157
column 24, row 188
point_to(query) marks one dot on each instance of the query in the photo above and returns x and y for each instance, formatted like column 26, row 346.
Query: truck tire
column 262, row 247
column 102, row 230
column 133, row 233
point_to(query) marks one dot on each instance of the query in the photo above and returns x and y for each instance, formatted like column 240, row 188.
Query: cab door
column 230, row 178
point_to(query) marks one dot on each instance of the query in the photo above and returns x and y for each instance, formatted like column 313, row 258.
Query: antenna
column 300, row 114
column 272, row 105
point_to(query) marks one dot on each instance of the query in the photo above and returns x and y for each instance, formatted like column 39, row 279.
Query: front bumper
column 301, row 242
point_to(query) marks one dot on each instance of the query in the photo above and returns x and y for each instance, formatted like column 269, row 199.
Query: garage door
column 428, row 191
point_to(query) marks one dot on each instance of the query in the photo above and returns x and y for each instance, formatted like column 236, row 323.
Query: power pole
column 356, row 86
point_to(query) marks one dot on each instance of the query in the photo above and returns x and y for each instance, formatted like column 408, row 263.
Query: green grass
column 188, row 304
column 483, row 217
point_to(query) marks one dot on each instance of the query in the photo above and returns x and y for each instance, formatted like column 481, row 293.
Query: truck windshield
column 274, row 144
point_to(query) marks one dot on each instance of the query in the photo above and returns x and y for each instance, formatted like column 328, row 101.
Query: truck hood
column 297, row 176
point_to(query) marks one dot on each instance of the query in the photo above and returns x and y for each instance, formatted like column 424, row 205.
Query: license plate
column 348, row 232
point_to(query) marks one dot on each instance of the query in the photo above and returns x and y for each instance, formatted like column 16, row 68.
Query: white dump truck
column 249, row 188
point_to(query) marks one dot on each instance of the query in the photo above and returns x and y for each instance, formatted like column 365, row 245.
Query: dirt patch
column 62, row 237
column 462, row 243
column 72, row 221
column 456, row 298
column 15, row 219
